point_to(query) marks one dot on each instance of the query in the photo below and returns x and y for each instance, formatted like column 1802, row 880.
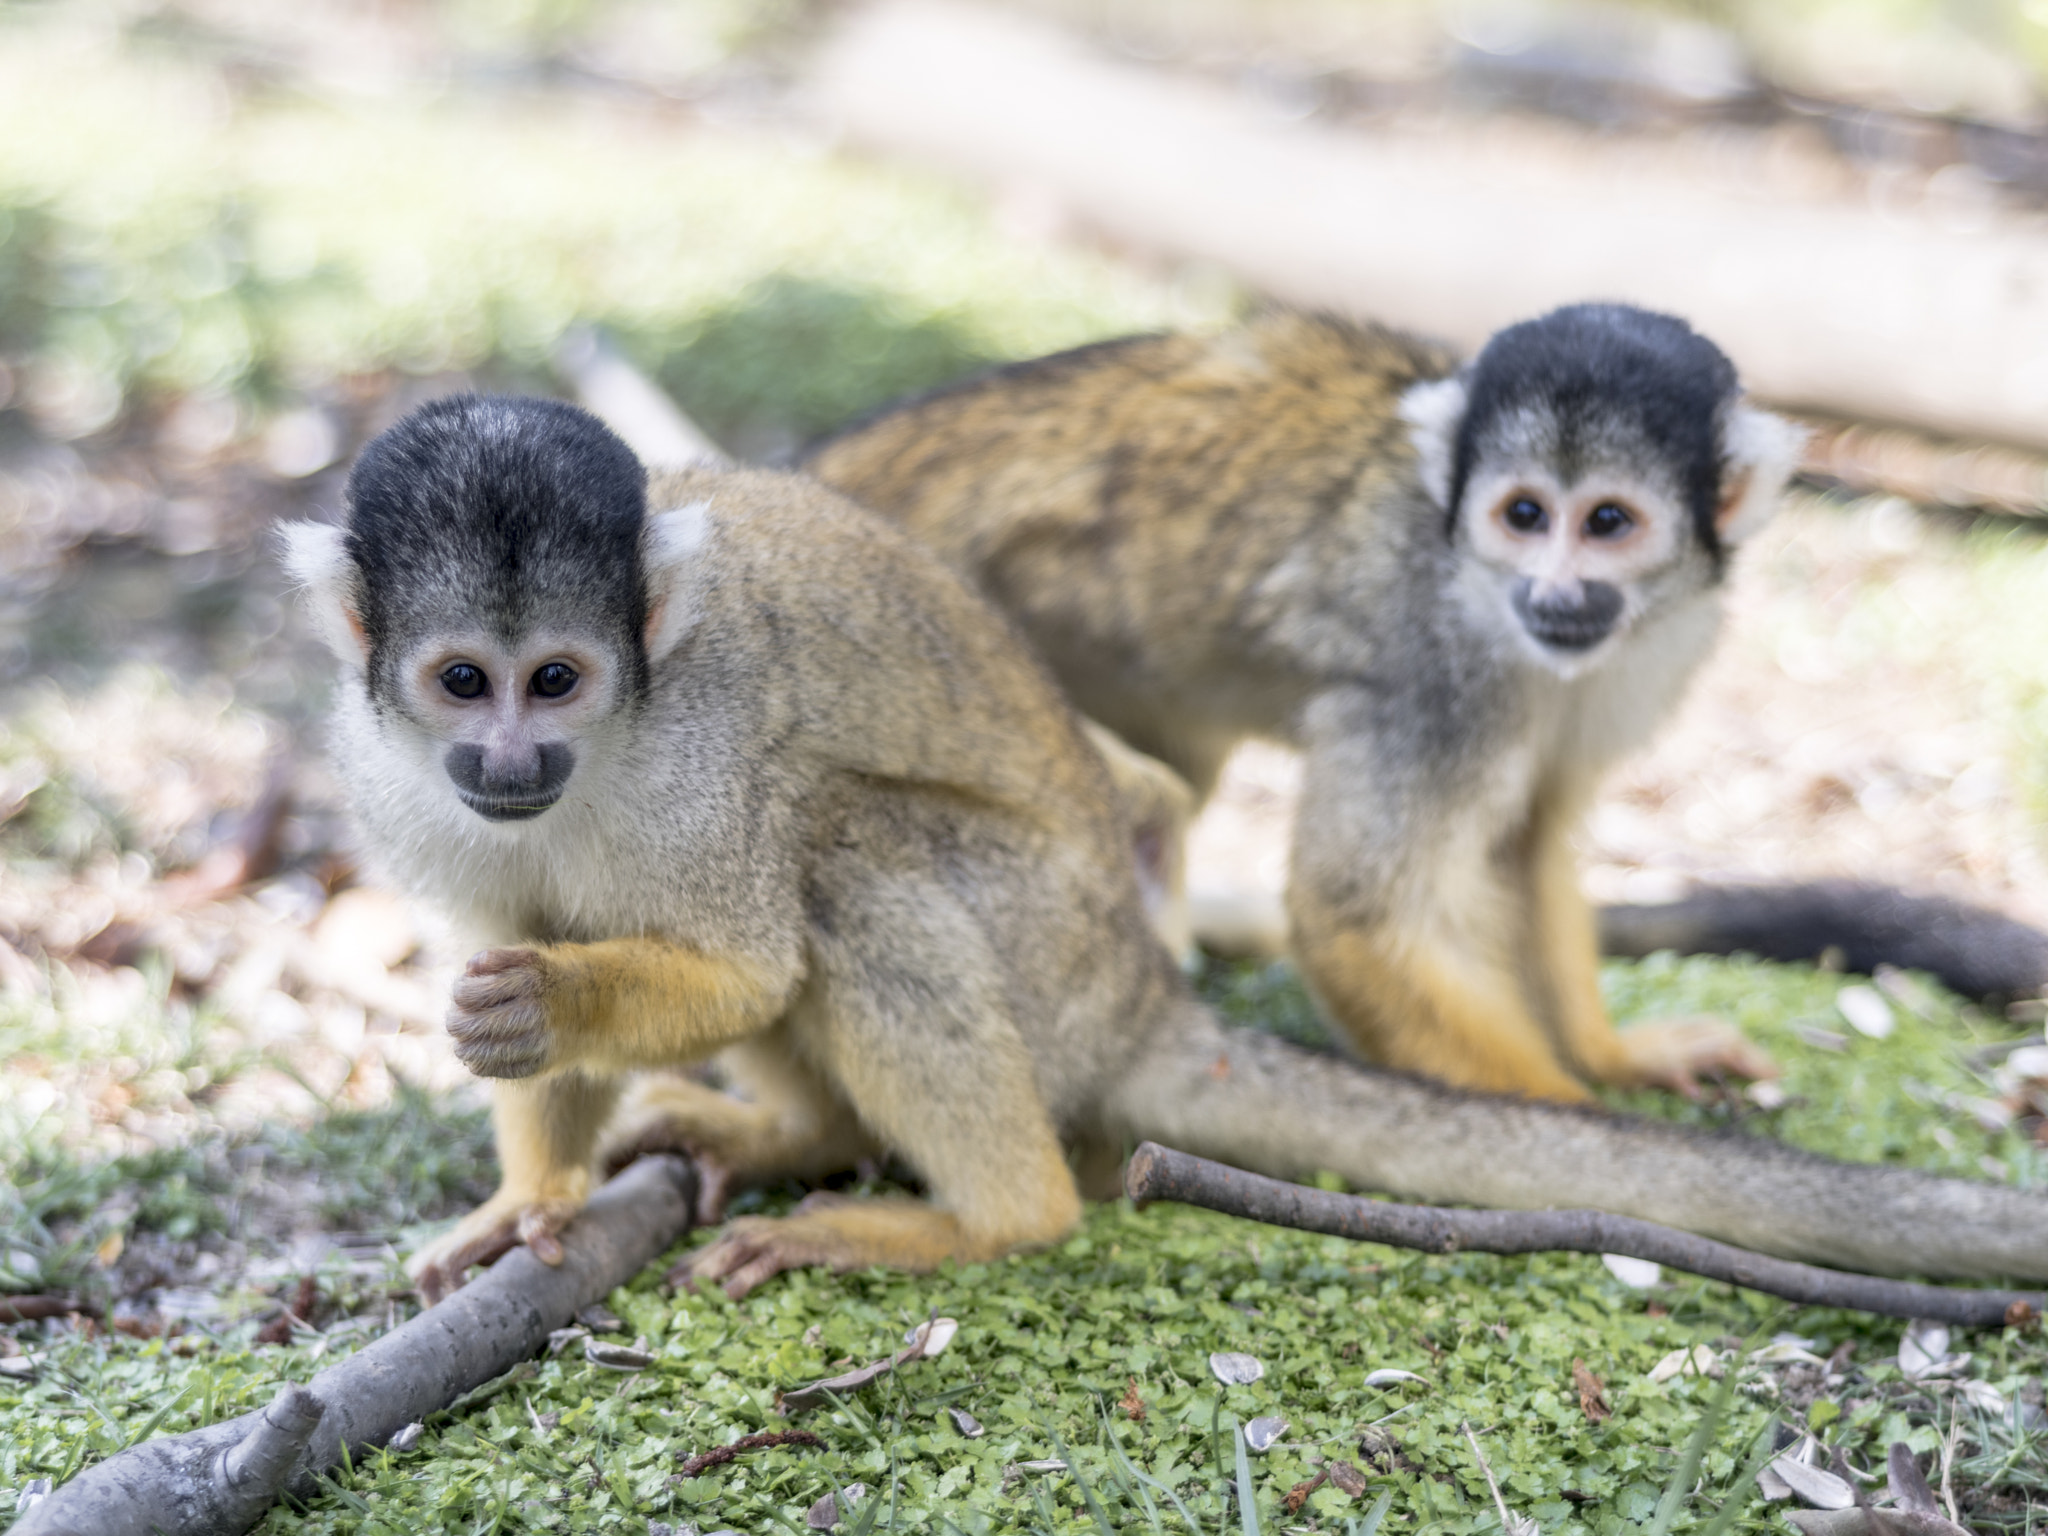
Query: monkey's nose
column 512, row 769
column 1570, row 616
column 510, row 787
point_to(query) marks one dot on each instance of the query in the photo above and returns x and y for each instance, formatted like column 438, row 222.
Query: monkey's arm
column 1401, row 924
column 546, row 1133
column 1664, row 1054
column 615, row 1005
column 553, row 1024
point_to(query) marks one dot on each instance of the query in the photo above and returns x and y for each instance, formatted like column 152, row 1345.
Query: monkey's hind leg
column 790, row 1125
column 1665, row 1053
column 546, row 1131
column 930, row 1057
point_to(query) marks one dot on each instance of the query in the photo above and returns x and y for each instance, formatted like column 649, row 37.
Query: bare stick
column 219, row 1480
column 1159, row 1173
column 26, row 1309
column 1404, row 227
column 632, row 404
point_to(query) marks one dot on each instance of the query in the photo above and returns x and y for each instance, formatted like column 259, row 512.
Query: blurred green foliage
column 162, row 235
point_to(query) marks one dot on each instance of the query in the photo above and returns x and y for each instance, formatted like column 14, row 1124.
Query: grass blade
column 158, row 1417
column 1129, row 1473
column 1695, row 1450
column 1370, row 1525
column 1744, row 1488
column 1187, row 1516
column 1081, row 1481
column 1247, row 1509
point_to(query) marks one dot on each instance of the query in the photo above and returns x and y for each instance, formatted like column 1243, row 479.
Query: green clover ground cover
column 1056, row 1350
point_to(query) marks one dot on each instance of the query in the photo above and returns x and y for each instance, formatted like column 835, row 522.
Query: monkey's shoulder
column 860, row 649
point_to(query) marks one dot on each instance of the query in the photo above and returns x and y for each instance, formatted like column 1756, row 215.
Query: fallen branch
column 219, row 1480
column 1404, row 226
column 27, row 1309
column 1159, row 1173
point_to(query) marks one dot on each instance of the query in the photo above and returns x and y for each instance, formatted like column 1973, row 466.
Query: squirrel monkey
column 1462, row 591
column 742, row 771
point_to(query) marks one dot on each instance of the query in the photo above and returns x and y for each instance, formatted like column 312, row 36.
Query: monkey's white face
column 512, row 717
column 1573, row 564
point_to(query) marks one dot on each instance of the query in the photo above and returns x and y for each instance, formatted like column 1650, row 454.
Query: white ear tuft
column 1433, row 411
column 1761, row 452
column 669, row 546
column 316, row 557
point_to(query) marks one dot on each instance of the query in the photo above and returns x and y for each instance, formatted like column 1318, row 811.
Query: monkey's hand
column 1674, row 1053
column 493, row 1229
column 500, row 1018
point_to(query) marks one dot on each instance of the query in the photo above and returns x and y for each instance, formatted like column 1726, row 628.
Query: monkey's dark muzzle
column 499, row 796
column 1567, row 622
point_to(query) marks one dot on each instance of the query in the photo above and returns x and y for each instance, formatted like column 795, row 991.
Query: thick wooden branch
column 1159, row 1173
column 1856, row 313
column 219, row 1480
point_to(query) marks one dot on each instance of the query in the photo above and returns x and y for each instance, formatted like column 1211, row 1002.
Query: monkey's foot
column 753, row 1249
column 1675, row 1053
column 836, row 1231
column 499, row 1020
column 486, row 1234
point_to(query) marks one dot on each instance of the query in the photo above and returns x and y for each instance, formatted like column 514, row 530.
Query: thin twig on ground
column 1159, row 1173
column 718, row 1456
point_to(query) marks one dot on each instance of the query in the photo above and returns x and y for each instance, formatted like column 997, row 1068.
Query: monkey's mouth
column 524, row 808
column 515, row 796
column 1573, row 637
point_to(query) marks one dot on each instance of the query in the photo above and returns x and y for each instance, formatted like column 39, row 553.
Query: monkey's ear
column 316, row 557
column 1433, row 411
column 669, row 545
column 1760, row 452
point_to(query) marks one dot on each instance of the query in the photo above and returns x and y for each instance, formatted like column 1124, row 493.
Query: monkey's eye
column 466, row 681
column 1525, row 515
column 554, row 680
column 1608, row 521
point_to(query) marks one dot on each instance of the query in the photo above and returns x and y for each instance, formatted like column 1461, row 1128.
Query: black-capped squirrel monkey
column 1461, row 590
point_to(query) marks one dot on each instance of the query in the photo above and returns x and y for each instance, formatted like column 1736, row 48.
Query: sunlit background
column 238, row 237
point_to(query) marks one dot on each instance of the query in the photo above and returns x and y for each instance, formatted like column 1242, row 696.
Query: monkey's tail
column 1256, row 1102
column 1971, row 950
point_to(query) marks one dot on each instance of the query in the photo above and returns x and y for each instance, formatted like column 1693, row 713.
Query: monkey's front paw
column 487, row 1234
column 499, row 1020
column 1675, row 1053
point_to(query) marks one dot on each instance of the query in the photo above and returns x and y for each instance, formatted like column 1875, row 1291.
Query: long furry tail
column 1972, row 950
column 1256, row 1102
